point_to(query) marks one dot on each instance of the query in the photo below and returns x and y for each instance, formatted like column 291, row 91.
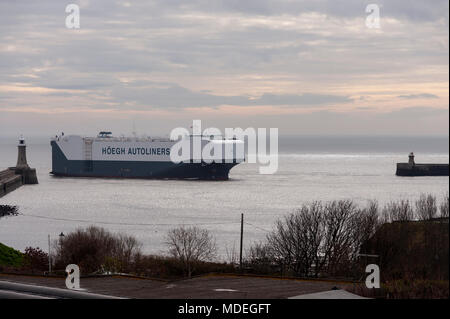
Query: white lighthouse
column 22, row 154
column 411, row 161
column 22, row 168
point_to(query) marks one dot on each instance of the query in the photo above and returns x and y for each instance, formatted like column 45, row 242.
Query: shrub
column 35, row 259
column 7, row 210
column 95, row 249
column 316, row 239
column 10, row 257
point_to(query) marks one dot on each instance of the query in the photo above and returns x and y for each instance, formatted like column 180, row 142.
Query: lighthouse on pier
column 22, row 168
column 22, row 154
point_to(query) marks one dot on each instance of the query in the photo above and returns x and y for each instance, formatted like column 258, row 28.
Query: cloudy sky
column 306, row 67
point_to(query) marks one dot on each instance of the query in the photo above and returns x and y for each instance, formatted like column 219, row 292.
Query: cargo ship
column 134, row 157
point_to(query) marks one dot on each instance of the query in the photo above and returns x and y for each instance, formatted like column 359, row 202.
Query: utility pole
column 49, row 258
column 242, row 239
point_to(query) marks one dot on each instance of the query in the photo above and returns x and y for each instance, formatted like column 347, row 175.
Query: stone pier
column 14, row 177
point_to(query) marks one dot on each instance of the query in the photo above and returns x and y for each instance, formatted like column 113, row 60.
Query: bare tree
column 398, row 211
column 426, row 207
column 365, row 224
column 320, row 237
column 339, row 237
column 232, row 255
column 261, row 258
column 296, row 240
column 124, row 251
column 191, row 245
column 444, row 206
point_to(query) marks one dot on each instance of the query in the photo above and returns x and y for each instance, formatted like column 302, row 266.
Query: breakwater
column 413, row 169
column 14, row 177
column 9, row 181
column 404, row 169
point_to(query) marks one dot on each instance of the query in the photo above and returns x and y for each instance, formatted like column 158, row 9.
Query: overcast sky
column 306, row 67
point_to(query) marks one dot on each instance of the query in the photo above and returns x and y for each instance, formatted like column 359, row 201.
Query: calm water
column 310, row 168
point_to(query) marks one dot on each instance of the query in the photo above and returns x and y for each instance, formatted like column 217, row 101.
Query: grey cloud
column 419, row 96
column 417, row 10
column 178, row 97
column 155, row 40
column 417, row 111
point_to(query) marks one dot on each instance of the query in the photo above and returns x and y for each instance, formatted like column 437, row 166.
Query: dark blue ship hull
column 61, row 166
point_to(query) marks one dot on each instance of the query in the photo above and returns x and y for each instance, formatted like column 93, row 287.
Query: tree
column 426, row 207
column 318, row 238
column 297, row 238
column 95, row 249
column 7, row 210
column 339, row 241
column 444, row 206
column 400, row 211
column 191, row 245
column 35, row 259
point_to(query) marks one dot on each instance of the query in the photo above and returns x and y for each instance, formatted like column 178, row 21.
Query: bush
column 417, row 249
column 97, row 250
column 35, row 259
column 317, row 239
column 10, row 257
column 7, row 210
column 173, row 268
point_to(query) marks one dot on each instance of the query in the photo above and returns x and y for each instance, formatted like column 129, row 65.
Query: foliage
column 10, row 256
column 96, row 250
column 35, row 259
column 414, row 249
column 7, row 210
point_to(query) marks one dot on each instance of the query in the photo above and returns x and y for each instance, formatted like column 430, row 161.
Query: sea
column 311, row 168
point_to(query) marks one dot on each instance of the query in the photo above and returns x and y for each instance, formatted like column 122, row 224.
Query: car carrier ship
column 134, row 157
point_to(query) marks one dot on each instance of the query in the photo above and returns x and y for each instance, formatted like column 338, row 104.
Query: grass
column 10, row 257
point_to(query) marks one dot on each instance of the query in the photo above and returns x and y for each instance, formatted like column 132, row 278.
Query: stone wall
column 9, row 181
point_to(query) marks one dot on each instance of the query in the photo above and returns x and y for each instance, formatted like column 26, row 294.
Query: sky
column 304, row 67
